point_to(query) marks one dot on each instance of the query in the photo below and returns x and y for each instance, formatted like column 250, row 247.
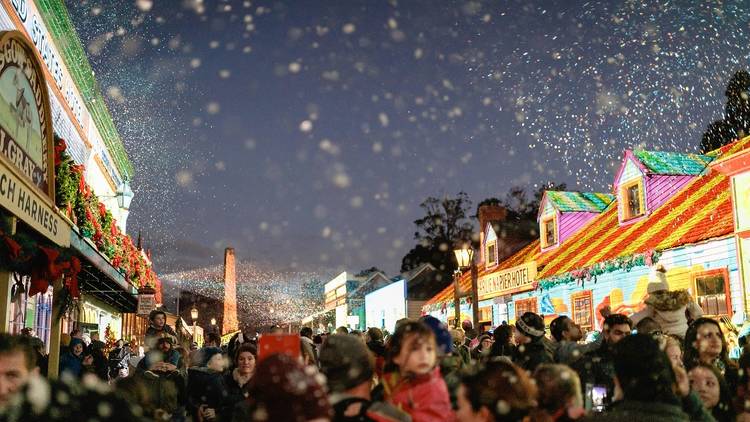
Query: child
column 415, row 385
column 670, row 309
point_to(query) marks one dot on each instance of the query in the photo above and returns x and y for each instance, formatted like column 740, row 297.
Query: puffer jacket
column 425, row 398
column 670, row 310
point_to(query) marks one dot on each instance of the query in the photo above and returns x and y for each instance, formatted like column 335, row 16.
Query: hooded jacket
column 669, row 310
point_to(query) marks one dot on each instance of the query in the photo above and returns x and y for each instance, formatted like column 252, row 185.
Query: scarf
column 239, row 379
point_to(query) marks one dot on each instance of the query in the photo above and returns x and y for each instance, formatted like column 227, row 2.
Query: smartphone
column 596, row 397
column 270, row 344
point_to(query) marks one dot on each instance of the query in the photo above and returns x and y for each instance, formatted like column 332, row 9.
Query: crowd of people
column 423, row 371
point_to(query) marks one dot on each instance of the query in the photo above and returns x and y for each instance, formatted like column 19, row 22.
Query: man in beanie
column 672, row 310
column 596, row 368
column 348, row 366
column 529, row 333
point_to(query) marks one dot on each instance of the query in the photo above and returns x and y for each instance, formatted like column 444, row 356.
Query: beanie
column 207, row 353
column 442, row 335
column 345, row 361
column 658, row 280
column 531, row 325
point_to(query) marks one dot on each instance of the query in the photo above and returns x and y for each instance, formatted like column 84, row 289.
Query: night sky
column 306, row 133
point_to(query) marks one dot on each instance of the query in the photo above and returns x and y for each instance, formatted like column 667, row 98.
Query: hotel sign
column 512, row 280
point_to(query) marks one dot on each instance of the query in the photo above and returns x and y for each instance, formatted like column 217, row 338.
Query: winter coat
column 630, row 411
column 669, row 310
column 72, row 364
column 597, row 368
column 311, row 349
column 530, row 355
column 206, row 387
column 153, row 334
column 499, row 349
column 235, row 394
column 370, row 411
column 165, row 391
column 425, row 397
column 568, row 352
column 378, row 350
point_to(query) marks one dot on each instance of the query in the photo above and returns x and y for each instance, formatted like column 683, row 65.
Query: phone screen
column 596, row 397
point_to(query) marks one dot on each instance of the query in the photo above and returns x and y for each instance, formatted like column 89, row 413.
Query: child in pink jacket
column 417, row 387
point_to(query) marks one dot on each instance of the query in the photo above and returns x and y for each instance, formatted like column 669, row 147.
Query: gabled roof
column 579, row 201
column 673, row 163
column 732, row 148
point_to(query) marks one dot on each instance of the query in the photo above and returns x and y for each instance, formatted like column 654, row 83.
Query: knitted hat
column 442, row 335
column 282, row 389
column 531, row 325
column 658, row 280
column 207, row 353
column 345, row 361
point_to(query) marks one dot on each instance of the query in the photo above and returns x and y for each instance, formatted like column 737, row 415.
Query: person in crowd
column 72, row 361
column 596, row 368
column 503, row 344
column 649, row 326
column 498, row 391
column 158, row 328
column 471, row 336
column 482, row 352
column 530, row 352
column 118, row 360
column 236, row 380
column 459, row 345
column 95, row 342
column 672, row 346
column 348, row 367
column 305, row 335
column 76, row 333
column 415, row 385
column 206, row 389
column 96, row 363
column 376, row 345
column 742, row 396
column 706, row 381
column 162, row 379
column 650, row 387
column 705, row 343
column 568, row 334
column 342, row 330
column 450, row 362
column 17, row 366
column 40, row 353
column 162, row 358
column 559, row 397
column 282, row 389
column 672, row 310
column 212, row 340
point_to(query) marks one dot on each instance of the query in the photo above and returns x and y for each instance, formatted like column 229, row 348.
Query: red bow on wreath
column 45, row 272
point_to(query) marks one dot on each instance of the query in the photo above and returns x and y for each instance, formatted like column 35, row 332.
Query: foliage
column 109, row 339
column 736, row 121
column 369, row 271
column 445, row 226
column 624, row 263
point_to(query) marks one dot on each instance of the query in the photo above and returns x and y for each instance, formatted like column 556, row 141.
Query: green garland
column 625, row 263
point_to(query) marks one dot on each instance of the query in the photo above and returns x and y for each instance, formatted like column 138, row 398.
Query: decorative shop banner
column 25, row 124
column 25, row 203
column 512, row 280
column 146, row 301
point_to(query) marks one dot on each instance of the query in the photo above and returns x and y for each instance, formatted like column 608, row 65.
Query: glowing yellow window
column 631, row 195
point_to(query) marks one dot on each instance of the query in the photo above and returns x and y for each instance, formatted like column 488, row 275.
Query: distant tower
column 230, row 323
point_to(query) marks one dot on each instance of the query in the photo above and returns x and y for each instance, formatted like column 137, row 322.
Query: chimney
column 230, row 323
column 489, row 213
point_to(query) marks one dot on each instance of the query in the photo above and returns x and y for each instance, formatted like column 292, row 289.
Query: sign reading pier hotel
column 512, row 280
column 27, row 186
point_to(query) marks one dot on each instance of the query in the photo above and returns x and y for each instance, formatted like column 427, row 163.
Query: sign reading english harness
column 512, row 280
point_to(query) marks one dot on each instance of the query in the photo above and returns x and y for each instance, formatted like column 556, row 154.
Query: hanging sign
column 146, row 301
column 512, row 280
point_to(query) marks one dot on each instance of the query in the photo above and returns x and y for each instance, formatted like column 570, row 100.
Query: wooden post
column 456, row 300
column 6, row 283
column 53, row 367
column 475, row 296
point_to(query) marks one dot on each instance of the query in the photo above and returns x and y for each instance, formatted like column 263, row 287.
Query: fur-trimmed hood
column 668, row 301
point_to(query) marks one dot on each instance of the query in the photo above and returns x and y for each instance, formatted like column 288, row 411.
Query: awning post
column 53, row 367
column 6, row 283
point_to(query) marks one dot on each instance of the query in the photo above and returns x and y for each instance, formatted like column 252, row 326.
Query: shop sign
column 146, row 301
column 512, row 280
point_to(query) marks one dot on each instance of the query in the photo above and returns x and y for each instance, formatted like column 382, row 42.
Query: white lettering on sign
column 512, row 280
column 34, row 25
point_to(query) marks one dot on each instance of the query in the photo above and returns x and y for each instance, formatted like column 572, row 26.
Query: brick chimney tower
column 230, row 323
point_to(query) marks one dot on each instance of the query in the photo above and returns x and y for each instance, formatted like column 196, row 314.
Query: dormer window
column 492, row 253
column 631, row 197
column 549, row 231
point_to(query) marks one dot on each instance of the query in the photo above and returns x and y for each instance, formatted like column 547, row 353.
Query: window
column 632, row 199
column 491, row 253
column 525, row 305
column 712, row 292
column 583, row 309
column 549, row 231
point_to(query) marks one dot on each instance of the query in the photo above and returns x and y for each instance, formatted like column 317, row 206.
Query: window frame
column 724, row 273
column 589, row 325
column 625, row 199
column 488, row 263
column 544, row 221
column 534, row 308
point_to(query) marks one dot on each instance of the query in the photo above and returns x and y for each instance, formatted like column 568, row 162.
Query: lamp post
column 194, row 316
column 213, row 325
column 465, row 259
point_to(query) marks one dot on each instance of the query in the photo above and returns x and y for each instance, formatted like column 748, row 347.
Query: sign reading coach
column 512, row 280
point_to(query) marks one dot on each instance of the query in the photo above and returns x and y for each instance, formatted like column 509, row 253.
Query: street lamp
column 213, row 325
column 464, row 260
column 124, row 195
